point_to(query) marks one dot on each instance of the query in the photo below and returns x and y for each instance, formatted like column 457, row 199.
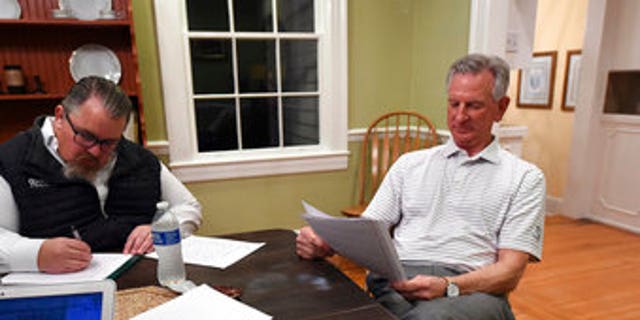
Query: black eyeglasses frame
column 87, row 140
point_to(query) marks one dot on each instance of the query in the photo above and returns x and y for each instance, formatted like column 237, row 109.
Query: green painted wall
column 398, row 55
column 440, row 36
column 380, row 44
column 144, row 25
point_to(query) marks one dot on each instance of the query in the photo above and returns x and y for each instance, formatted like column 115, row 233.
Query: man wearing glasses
column 72, row 185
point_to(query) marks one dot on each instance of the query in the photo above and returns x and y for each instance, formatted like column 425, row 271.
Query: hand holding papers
column 366, row 242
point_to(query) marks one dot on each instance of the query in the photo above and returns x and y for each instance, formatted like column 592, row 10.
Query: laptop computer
column 82, row 300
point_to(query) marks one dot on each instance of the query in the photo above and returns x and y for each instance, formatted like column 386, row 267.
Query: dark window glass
column 253, row 15
column 300, row 121
column 259, row 122
column 208, row 15
column 622, row 95
column 295, row 16
column 216, row 125
column 256, row 65
column 299, row 65
column 211, row 66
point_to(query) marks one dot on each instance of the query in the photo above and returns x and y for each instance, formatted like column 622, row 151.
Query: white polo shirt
column 457, row 210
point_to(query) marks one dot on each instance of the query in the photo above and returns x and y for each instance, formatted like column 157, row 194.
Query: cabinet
column 42, row 46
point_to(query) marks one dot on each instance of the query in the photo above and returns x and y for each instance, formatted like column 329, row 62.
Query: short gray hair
column 114, row 99
column 476, row 63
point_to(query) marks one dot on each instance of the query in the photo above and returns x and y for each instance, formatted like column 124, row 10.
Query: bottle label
column 166, row 238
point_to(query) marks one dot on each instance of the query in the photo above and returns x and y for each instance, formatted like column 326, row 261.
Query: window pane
column 208, row 15
column 295, row 16
column 259, row 122
column 301, row 120
column 211, row 66
column 216, row 125
column 257, row 65
column 299, row 65
column 253, row 15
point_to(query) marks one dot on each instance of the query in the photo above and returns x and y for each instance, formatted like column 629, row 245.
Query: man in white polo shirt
column 467, row 216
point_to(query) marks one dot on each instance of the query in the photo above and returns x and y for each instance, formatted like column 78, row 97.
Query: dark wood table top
column 276, row 281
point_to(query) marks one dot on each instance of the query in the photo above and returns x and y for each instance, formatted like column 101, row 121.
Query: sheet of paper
column 366, row 242
column 203, row 302
column 101, row 266
column 214, row 252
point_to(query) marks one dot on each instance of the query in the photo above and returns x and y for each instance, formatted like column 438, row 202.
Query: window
column 253, row 87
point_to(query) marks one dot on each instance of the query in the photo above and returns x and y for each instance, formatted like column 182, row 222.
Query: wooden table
column 276, row 281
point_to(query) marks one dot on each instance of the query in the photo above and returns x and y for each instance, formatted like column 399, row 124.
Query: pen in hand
column 75, row 233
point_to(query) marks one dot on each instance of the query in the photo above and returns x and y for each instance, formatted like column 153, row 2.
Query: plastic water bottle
column 165, row 230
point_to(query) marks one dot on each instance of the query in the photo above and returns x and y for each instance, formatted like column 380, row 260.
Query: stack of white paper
column 214, row 252
column 203, row 303
column 102, row 265
column 366, row 242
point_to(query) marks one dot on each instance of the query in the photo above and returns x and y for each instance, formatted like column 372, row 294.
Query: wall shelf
column 74, row 23
column 30, row 96
column 42, row 46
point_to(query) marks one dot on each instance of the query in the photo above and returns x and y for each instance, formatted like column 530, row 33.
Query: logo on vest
column 35, row 183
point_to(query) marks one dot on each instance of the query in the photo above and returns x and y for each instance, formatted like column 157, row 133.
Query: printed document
column 102, row 266
column 203, row 302
column 214, row 252
column 365, row 241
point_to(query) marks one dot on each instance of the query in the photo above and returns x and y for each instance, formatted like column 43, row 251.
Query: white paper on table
column 365, row 241
column 214, row 252
column 102, row 265
column 203, row 302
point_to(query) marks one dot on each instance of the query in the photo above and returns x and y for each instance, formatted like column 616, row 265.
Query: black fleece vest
column 49, row 203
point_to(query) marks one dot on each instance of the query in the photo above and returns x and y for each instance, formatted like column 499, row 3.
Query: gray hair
column 476, row 63
column 114, row 99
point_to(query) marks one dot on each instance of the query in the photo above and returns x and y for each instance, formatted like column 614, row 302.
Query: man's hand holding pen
column 60, row 255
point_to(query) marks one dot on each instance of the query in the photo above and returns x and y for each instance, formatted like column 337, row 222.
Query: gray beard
column 77, row 172
column 74, row 171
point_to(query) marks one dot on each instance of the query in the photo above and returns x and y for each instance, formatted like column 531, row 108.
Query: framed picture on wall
column 535, row 82
column 571, row 80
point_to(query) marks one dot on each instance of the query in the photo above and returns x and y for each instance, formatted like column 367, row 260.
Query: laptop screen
column 64, row 307
column 63, row 301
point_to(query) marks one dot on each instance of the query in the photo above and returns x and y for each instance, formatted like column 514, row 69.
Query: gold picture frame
column 536, row 81
column 571, row 79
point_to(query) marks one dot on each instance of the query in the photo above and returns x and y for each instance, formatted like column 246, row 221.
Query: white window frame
column 190, row 165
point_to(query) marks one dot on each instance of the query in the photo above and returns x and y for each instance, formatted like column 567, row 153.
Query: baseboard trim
column 615, row 224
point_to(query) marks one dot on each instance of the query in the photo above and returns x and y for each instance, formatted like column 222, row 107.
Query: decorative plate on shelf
column 10, row 9
column 94, row 60
column 87, row 9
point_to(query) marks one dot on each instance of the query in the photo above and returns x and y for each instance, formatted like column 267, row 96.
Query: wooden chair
column 386, row 139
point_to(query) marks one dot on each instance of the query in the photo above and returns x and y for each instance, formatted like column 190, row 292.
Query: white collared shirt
column 19, row 253
column 457, row 210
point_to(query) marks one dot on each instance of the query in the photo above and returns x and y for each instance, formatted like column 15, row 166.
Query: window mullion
column 279, row 91
column 236, row 90
column 276, row 31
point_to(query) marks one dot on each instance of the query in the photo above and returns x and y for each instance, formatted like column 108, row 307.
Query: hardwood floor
column 588, row 271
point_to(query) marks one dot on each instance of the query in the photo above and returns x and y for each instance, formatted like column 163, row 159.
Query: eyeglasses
column 88, row 140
